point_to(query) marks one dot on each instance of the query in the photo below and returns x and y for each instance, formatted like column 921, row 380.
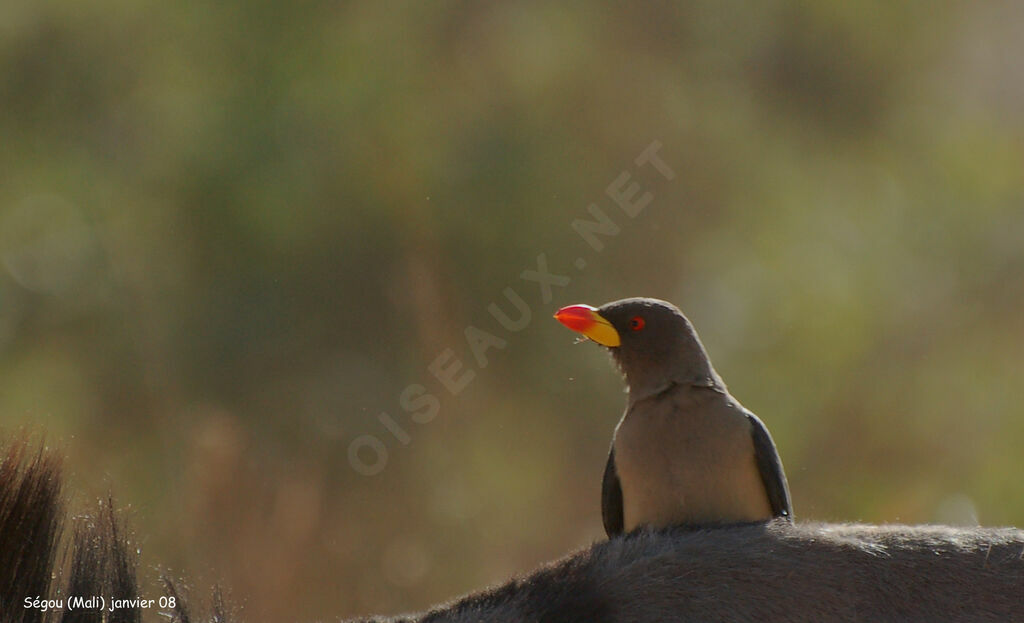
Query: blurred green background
column 232, row 233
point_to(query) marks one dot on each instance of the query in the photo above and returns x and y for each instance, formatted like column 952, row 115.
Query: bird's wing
column 770, row 466
column 611, row 498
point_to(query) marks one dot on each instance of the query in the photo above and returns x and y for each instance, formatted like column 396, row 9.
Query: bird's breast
column 682, row 461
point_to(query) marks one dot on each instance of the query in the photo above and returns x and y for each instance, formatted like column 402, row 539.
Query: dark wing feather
column 770, row 466
column 611, row 498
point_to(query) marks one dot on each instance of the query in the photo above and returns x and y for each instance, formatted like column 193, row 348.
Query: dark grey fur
column 774, row 572
column 95, row 558
column 766, row 572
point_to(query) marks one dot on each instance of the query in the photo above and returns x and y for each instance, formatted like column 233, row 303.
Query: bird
column 685, row 453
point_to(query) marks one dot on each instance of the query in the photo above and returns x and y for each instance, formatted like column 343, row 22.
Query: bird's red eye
column 636, row 323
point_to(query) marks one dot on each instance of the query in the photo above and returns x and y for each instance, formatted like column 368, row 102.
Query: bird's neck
column 706, row 380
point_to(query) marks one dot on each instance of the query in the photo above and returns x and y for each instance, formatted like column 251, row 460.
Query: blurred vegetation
column 232, row 233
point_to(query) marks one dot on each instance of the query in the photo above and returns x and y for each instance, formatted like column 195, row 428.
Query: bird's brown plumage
column 686, row 456
column 685, row 452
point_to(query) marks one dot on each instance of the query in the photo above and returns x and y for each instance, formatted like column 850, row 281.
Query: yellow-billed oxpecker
column 685, row 452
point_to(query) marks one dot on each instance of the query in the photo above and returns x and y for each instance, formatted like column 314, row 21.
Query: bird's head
column 651, row 341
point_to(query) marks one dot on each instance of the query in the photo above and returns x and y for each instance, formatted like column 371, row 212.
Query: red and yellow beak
column 584, row 319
